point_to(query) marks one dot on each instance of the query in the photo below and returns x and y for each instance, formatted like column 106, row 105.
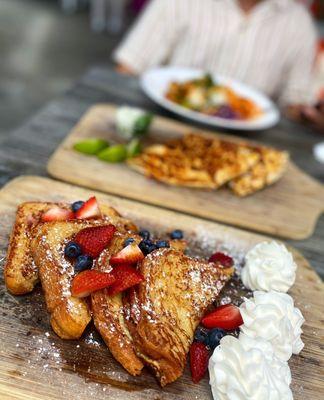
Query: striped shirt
column 272, row 48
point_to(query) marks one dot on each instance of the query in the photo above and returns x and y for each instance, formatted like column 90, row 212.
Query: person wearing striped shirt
column 268, row 44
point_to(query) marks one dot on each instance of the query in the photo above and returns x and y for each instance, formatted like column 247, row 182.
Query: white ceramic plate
column 155, row 83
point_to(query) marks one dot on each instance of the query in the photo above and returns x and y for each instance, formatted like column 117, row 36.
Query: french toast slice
column 268, row 170
column 165, row 309
column 20, row 272
column 108, row 312
column 69, row 315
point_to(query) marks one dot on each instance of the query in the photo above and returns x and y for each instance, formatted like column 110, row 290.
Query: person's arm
column 150, row 40
column 297, row 94
column 297, row 89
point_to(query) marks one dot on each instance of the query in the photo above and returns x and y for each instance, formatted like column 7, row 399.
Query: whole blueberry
column 201, row 335
column 160, row 244
column 176, row 234
column 152, row 248
column 83, row 262
column 145, row 234
column 72, row 250
column 128, row 241
column 143, row 245
column 214, row 337
column 147, row 246
column 77, row 205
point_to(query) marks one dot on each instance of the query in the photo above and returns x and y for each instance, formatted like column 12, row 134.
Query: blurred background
column 45, row 45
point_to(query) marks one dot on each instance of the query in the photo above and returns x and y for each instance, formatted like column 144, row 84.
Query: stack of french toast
column 199, row 161
column 146, row 298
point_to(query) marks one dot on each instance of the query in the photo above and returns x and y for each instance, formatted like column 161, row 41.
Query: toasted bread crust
column 20, row 272
column 109, row 317
column 69, row 319
column 69, row 315
column 165, row 309
column 113, row 216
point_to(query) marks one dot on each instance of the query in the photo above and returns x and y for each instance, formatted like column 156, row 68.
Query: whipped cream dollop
column 273, row 317
column 269, row 266
column 247, row 369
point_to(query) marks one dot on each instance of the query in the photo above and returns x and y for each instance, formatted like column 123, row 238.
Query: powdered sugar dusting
column 84, row 368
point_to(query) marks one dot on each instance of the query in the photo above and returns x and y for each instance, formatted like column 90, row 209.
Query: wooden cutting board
column 289, row 209
column 36, row 364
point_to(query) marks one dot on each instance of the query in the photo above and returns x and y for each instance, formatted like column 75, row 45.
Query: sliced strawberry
column 221, row 258
column 90, row 209
column 199, row 357
column 126, row 277
column 57, row 214
column 128, row 255
column 95, row 239
column 227, row 317
column 90, row 281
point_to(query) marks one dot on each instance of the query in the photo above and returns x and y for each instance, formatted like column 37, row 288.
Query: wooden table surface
column 27, row 149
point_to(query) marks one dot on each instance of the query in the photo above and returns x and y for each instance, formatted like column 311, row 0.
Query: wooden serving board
column 36, row 364
column 289, row 209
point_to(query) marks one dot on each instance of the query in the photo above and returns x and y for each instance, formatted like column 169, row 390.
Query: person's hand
column 314, row 116
column 293, row 111
column 124, row 69
column 309, row 115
